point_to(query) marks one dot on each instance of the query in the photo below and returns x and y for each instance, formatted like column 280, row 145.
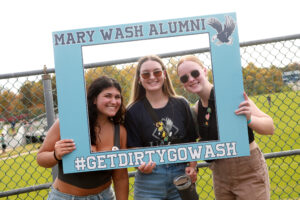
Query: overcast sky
column 27, row 25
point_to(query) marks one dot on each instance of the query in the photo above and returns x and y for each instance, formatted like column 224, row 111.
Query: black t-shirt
column 175, row 118
column 207, row 121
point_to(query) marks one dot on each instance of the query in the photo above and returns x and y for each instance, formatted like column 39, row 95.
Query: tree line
column 28, row 101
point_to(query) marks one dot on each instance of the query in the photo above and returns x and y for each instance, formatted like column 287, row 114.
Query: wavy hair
column 97, row 86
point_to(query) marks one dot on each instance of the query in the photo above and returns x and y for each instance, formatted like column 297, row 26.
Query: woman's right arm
column 52, row 144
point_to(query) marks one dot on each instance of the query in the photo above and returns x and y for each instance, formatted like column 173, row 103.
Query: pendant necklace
column 207, row 116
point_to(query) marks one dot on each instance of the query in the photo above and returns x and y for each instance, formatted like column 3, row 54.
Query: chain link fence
column 271, row 72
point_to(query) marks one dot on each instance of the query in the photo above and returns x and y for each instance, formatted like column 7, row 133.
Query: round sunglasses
column 156, row 74
column 195, row 73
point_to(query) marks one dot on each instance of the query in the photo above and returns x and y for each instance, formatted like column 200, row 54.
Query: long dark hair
column 97, row 86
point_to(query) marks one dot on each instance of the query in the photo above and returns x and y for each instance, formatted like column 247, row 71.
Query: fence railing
column 270, row 79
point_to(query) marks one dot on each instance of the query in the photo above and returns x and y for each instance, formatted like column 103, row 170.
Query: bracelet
column 195, row 168
column 249, row 121
column 55, row 156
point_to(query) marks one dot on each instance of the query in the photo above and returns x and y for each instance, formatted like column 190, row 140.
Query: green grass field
column 23, row 171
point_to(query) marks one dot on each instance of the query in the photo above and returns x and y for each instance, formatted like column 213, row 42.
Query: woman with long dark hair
column 106, row 115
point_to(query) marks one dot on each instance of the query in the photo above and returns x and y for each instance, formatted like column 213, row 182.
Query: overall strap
column 117, row 136
column 150, row 110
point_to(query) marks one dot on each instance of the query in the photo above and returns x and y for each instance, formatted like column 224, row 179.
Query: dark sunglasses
column 147, row 75
column 195, row 73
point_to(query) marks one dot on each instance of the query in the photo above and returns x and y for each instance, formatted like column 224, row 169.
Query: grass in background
column 21, row 149
column 285, row 111
column 23, row 171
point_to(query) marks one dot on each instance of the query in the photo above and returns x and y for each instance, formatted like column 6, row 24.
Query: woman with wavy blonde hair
column 233, row 178
column 152, row 89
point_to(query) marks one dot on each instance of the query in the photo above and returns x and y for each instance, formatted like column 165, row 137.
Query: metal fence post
column 49, row 107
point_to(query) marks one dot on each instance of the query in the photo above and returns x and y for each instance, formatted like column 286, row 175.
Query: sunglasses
column 195, row 73
column 156, row 74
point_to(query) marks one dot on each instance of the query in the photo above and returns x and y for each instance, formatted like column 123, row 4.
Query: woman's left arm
column 257, row 120
column 120, row 176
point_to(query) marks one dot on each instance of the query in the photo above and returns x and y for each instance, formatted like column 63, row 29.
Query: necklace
column 207, row 116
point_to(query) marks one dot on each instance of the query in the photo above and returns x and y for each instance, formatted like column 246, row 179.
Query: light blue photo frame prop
column 228, row 82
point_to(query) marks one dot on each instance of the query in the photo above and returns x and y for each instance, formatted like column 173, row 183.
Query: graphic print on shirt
column 165, row 131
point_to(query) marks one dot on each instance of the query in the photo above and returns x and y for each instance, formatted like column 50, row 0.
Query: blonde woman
column 233, row 178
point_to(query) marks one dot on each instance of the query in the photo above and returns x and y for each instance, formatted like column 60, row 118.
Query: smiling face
column 193, row 76
column 151, row 76
column 108, row 101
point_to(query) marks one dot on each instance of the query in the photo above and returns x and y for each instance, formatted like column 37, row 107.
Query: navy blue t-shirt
column 175, row 124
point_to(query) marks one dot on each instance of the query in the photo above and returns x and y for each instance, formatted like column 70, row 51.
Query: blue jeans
column 107, row 194
column 159, row 184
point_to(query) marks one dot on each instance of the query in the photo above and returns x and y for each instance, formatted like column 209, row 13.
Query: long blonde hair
column 138, row 91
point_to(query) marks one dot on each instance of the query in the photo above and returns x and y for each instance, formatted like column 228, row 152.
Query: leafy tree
column 262, row 80
column 37, row 93
column 291, row 67
column 54, row 91
column 26, row 96
column 7, row 104
column 32, row 98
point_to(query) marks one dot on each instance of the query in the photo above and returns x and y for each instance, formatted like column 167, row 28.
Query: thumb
column 188, row 171
column 245, row 96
